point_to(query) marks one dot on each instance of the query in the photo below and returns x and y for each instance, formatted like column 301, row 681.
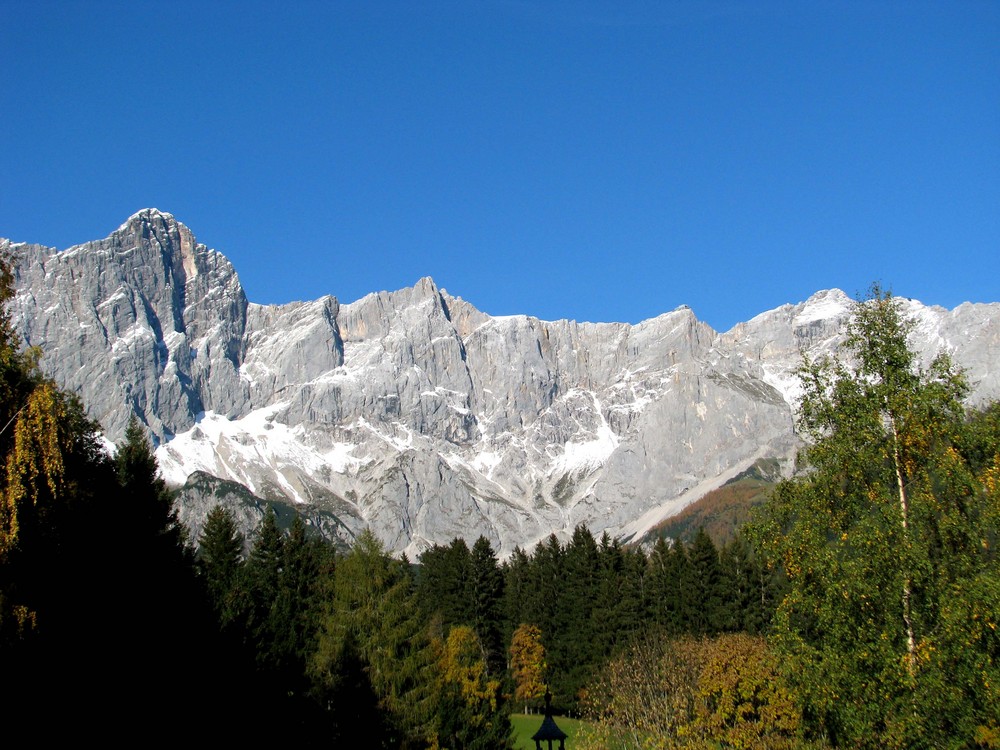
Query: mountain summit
column 414, row 413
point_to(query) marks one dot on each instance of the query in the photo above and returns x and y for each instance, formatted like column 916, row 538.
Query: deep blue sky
column 589, row 160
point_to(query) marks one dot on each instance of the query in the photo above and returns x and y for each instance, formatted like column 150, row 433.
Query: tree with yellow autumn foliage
column 693, row 693
column 48, row 451
column 472, row 713
column 527, row 665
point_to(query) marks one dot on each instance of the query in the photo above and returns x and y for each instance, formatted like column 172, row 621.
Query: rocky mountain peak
column 153, row 230
column 148, row 216
column 165, row 313
column 426, row 287
column 414, row 413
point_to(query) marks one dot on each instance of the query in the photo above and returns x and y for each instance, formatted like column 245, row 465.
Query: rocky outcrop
column 415, row 414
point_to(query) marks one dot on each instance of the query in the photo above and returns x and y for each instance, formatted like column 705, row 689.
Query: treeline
column 340, row 645
column 424, row 651
column 587, row 597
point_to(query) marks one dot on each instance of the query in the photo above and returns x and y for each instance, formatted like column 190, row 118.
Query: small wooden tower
column 549, row 731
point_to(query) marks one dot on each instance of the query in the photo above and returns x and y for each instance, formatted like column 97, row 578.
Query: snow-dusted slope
column 414, row 413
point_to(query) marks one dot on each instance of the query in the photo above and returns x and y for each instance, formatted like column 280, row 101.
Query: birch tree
column 886, row 524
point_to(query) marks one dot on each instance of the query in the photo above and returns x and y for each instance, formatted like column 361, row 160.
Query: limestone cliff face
column 414, row 413
column 145, row 320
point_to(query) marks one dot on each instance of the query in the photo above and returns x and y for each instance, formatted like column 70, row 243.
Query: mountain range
column 414, row 413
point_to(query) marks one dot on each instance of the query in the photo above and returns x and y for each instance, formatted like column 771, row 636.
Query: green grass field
column 526, row 725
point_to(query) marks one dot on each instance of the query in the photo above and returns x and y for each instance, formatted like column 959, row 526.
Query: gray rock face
column 145, row 321
column 414, row 413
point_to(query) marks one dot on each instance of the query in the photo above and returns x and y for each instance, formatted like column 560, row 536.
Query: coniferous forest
column 859, row 608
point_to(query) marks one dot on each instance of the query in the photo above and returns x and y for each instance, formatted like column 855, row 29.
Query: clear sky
column 603, row 161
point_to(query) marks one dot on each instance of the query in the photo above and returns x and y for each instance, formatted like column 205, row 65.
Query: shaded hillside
column 722, row 511
column 203, row 491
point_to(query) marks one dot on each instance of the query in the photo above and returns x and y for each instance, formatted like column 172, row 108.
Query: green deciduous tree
column 885, row 538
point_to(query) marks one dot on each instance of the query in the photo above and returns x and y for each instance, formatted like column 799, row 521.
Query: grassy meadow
column 526, row 725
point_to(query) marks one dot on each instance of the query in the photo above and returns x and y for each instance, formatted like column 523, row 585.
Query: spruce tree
column 220, row 560
column 708, row 614
column 545, row 603
column 737, row 577
column 263, row 571
column 295, row 613
column 147, row 500
column 581, row 582
column 685, row 615
column 516, row 597
column 486, row 587
column 661, row 588
column 750, row 589
column 444, row 584
column 618, row 608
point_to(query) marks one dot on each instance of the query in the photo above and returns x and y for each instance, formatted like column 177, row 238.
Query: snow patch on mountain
column 235, row 449
column 827, row 305
column 577, row 455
